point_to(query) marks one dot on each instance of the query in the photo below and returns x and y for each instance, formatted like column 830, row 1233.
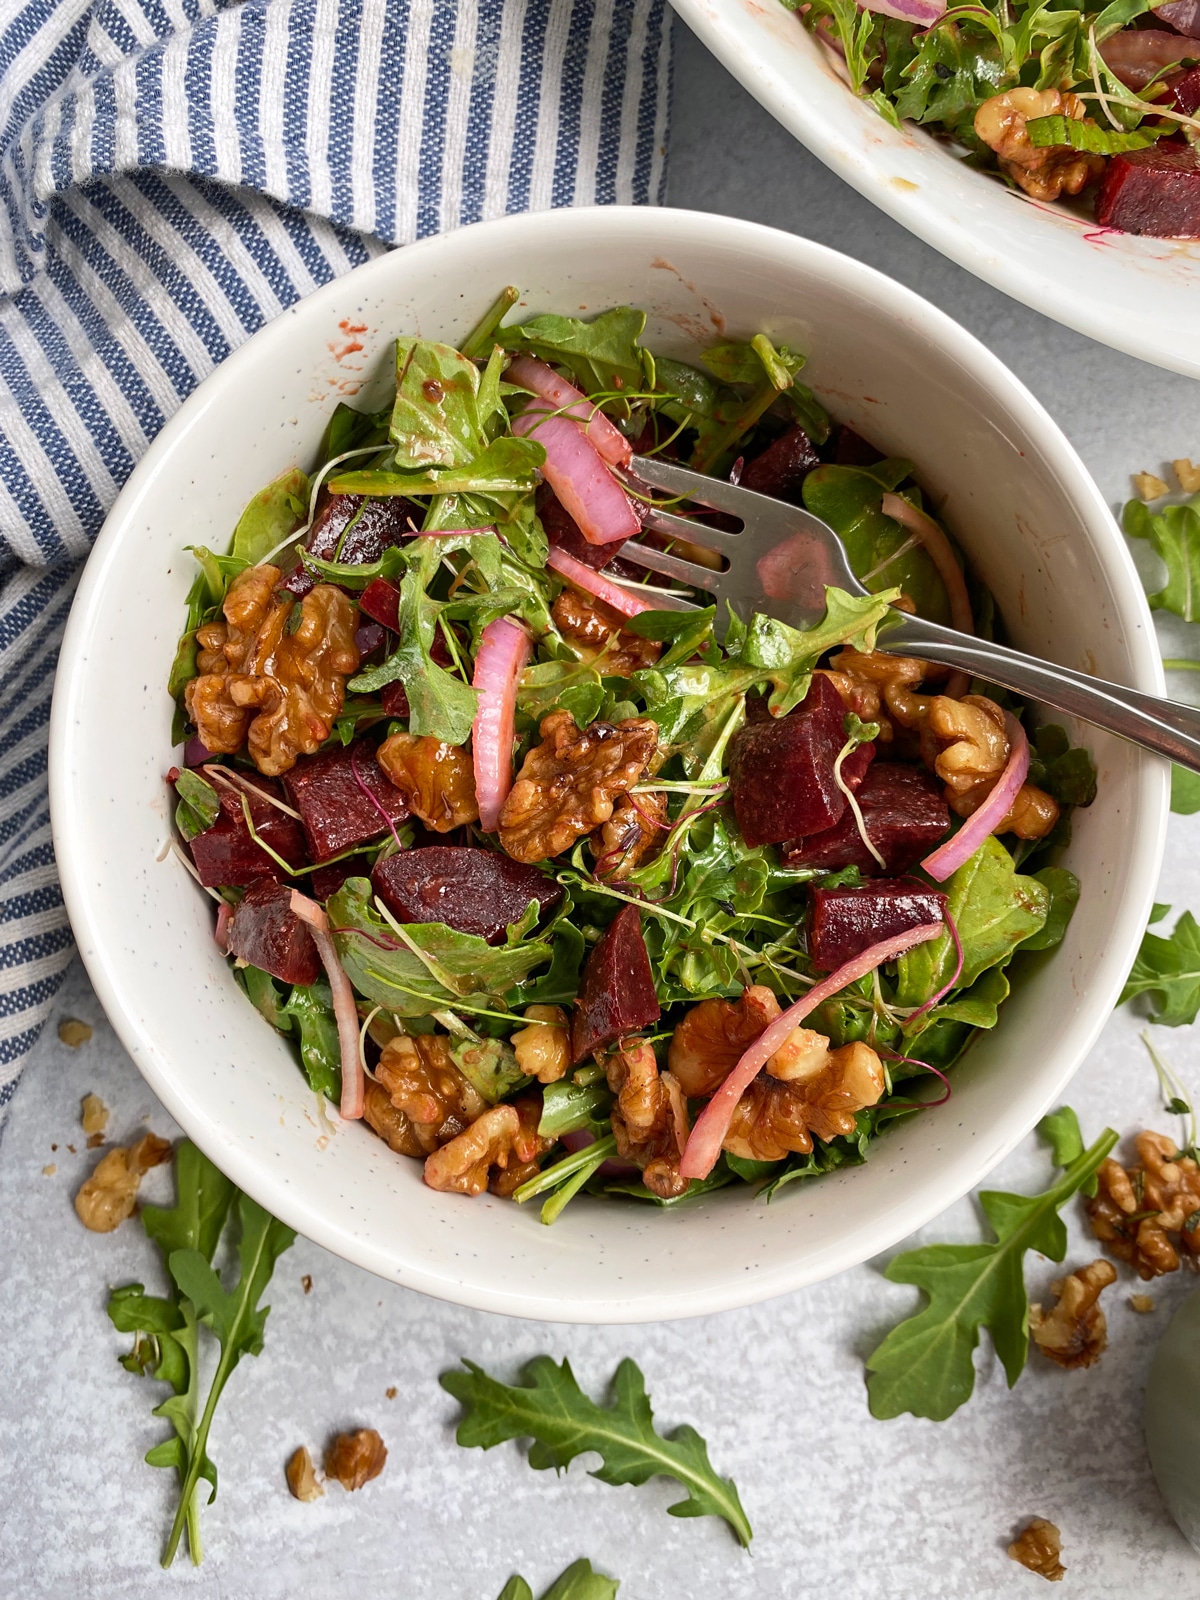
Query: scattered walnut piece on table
column 1142, row 1302
column 1038, row 1547
column 1149, row 486
column 1075, row 1333
column 543, row 1046
column 568, row 784
column 1188, row 474
column 592, row 627
column 436, row 779
column 355, row 1458
column 93, row 1115
column 301, row 1476
column 48, row 1172
column 390, row 1391
column 72, row 1032
column 1135, row 1210
column 109, row 1195
column 306, row 1283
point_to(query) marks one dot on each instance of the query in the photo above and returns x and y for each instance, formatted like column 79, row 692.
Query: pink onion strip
column 221, row 931
column 504, row 649
column 933, row 540
column 917, row 1105
column 354, row 1082
column 923, row 12
column 579, row 576
column 579, row 476
column 961, row 846
column 712, row 1124
column 535, row 375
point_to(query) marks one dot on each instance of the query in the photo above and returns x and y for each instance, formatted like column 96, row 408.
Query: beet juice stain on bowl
column 560, row 991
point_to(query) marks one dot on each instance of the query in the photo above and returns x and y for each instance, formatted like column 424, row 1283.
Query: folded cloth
column 172, row 175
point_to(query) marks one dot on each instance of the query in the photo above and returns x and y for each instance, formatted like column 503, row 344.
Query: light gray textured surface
column 840, row 1503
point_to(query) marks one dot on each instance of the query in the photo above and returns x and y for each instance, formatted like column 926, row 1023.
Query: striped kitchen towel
column 173, row 173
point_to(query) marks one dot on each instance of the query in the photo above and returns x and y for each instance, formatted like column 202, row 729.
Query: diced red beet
column 783, row 466
column 1182, row 15
column 369, row 638
column 473, row 891
column 844, row 922
column 361, row 538
column 381, row 600
column 1185, row 88
column 852, row 450
column 781, row 770
column 1155, row 192
column 616, row 994
column 225, row 855
column 265, row 932
column 905, row 814
column 563, row 532
column 328, row 880
column 327, row 791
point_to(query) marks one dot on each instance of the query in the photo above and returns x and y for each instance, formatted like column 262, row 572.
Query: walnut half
column 1135, row 1210
column 109, row 1195
column 1039, row 1547
column 355, row 1458
column 1075, row 1333
column 501, row 1138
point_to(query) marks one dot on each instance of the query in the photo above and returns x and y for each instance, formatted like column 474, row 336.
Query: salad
column 1060, row 102
column 554, row 877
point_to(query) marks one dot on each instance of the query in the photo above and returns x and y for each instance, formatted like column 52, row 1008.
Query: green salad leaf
column 549, row 1407
column 603, row 356
column 311, row 1010
column 1167, row 972
column 579, row 1582
column 1185, row 791
column 1090, row 136
column 435, row 419
column 199, row 804
column 273, row 514
column 1174, row 534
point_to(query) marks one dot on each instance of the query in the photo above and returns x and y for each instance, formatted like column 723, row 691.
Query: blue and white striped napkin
column 173, row 173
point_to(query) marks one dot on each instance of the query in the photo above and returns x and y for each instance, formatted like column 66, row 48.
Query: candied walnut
column 714, row 1035
column 527, row 1147
column 1135, row 1209
column 808, row 1091
column 1149, row 486
column 498, row 1138
column 93, row 1114
column 393, row 1126
column 595, row 629
column 267, row 683
column 1038, row 1547
column 424, row 1086
column 436, row 779
column 301, row 1476
column 1043, row 171
column 543, row 1045
column 73, row 1033
column 355, row 1458
column 109, row 1195
column 649, row 1120
column 633, row 833
column 975, row 751
column 568, row 783
column 881, row 683
column 1075, row 1333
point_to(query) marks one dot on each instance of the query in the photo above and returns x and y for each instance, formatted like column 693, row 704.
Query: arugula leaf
column 435, row 419
column 946, row 72
column 507, row 464
column 274, row 512
column 572, row 686
column 1185, row 791
column 199, row 804
column 1174, row 534
column 1167, row 971
column 203, row 1198
column 348, row 429
column 1090, row 136
column 601, row 355
column 490, row 1066
column 311, row 1009
column 1065, row 771
column 1061, row 1130
column 925, row 1365
column 568, row 1106
column 549, row 1407
column 1063, row 888
column 579, row 1582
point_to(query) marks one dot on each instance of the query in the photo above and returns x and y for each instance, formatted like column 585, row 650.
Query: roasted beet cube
column 781, row 770
column 783, row 466
column 381, row 600
column 354, row 529
column 328, row 880
column 616, row 994
column 904, row 812
column 563, row 532
column 473, row 891
column 842, row 923
column 226, row 855
column 265, row 932
column 1154, row 191
column 852, row 450
column 1185, row 87
column 344, row 797
column 1182, row 15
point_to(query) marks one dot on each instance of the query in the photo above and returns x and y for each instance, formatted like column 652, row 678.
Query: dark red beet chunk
column 616, row 995
column 265, row 932
column 852, row 450
column 227, row 857
column 563, row 532
column 328, row 880
column 905, row 814
column 1155, row 192
column 327, row 791
column 844, row 922
column 781, row 770
column 360, row 538
column 381, row 600
column 473, row 891
column 1185, row 87
column 783, row 466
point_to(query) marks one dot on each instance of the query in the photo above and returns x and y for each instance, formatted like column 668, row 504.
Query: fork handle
column 1163, row 726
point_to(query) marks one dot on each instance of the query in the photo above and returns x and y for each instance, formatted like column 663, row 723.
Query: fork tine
column 713, row 492
column 666, row 522
column 672, row 566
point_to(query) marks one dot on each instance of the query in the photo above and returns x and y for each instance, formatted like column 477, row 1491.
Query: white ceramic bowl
column 887, row 363
column 1137, row 295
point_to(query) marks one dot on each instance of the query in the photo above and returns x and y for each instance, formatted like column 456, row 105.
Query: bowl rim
column 86, row 909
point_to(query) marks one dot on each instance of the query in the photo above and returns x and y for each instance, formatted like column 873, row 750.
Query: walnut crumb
column 53, row 1147
column 306, row 1283
column 390, row 1391
column 355, row 1458
column 1142, row 1302
column 1149, row 486
column 1038, row 1547
column 93, row 1114
column 109, row 1195
column 95, row 1140
column 72, row 1149
column 48, row 1172
column 301, row 1476
column 1188, row 474
column 73, row 1032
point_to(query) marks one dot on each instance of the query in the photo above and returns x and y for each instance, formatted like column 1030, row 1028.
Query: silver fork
column 812, row 556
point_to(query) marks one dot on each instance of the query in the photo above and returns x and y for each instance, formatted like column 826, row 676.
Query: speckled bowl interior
column 886, row 362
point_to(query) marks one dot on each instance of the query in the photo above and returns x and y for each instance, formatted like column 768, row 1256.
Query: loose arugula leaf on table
column 579, row 1582
column 1167, row 972
column 549, row 1407
column 1185, row 791
column 925, row 1365
column 1174, row 534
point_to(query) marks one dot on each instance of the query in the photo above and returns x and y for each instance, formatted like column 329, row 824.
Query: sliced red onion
column 504, row 648
column 626, row 601
column 923, row 12
column 577, row 473
column 933, row 539
column 535, row 375
column 1182, row 15
column 354, row 1082
column 960, row 847
column 712, row 1125
column 196, row 753
column 1136, row 55
column 221, row 931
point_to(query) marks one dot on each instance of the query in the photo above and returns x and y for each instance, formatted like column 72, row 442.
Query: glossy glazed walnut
column 568, row 784
column 392, row 1125
column 436, row 779
column 109, row 1194
column 595, row 629
column 543, row 1045
column 355, row 1458
column 714, row 1035
column 1039, row 1547
column 420, row 1079
column 267, row 683
column 1043, row 171
column 1135, row 1210
column 634, row 833
column 808, row 1091
column 1075, row 1332
column 496, row 1139
column 649, row 1120
column 527, row 1147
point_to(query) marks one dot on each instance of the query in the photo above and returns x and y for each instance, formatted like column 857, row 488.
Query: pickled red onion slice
column 504, row 648
column 960, row 847
column 579, row 476
column 535, row 375
column 354, row 1082
column 626, row 601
